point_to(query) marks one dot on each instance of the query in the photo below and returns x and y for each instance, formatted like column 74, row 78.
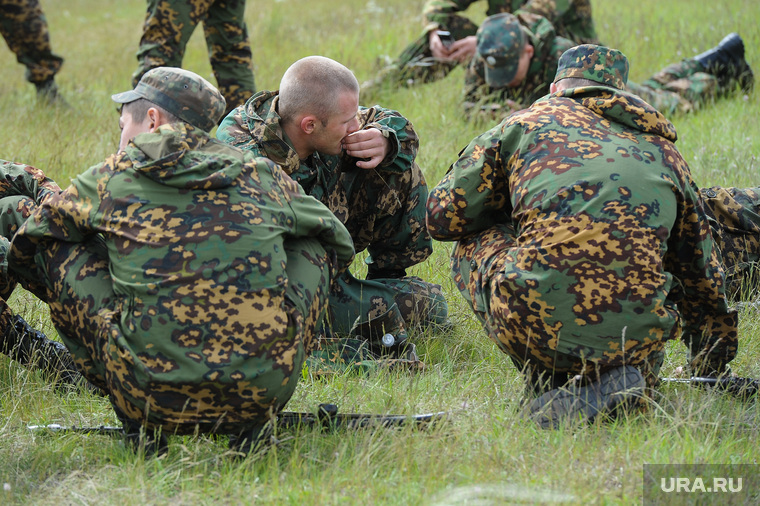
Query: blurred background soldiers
column 25, row 30
column 167, row 30
column 517, row 59
column 430, row 57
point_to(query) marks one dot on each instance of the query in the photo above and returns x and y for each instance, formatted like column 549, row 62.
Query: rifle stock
column 327, row 416
column 740, row 387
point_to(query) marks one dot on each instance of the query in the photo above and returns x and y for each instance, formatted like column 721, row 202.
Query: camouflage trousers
column 25, row 30
column 75, row 281
column 371, row 308
column 384, row 212
column 679, row 88
column 167, row 30
column 734, row 216
column 478, row 267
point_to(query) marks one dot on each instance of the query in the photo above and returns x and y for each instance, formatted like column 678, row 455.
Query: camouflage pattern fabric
column 167, row 30
column 679, row 88
column 25, row 30
column 187, row 278
column 548, row 47
column 21, row 188
column 182, row 93
column 501, row 42
column 571, row 19
column 603, row 65
column 735, row 221
column 581, row 241
column 383, row 209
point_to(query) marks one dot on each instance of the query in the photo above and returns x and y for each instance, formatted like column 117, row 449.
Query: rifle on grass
column 740, row 387
column 327, row 417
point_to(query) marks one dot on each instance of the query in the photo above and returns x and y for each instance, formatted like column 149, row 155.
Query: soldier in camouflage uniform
column 360, row 162
column 21, row 187
column 25, row 30
column 734, row 215
column 167, row 30
column 185, row 276
column 573, row 265
column 517, row 59
column 428, row 59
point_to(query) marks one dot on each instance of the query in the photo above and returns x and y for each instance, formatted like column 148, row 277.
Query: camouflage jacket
column 611, row 239
column 256, row 127
column 548, row 47
column 195, row 232
column 571, row 18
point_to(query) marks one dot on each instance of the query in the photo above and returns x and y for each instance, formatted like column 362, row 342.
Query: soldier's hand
column 437, row 48
column 463, row 50
column 369, row 145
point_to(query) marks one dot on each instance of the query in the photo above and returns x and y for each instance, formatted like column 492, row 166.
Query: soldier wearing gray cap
column 185, row 276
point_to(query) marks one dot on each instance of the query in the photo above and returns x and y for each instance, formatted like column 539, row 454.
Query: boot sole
column 613, row 389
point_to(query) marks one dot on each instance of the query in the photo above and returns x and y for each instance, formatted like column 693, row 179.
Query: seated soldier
column 578, row 258
column 21, row 186
column 517, row 60
column 360, row 162
column 185, row 276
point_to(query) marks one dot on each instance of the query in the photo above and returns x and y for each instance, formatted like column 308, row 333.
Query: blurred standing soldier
column 360, row 162
column 517, row 59
column 167, row 30
column 582, row 245
column 429, row 58
column 25, row 30
column 185, row 276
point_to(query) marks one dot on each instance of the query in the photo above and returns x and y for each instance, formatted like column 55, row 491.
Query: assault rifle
column 327, row 417
column 740, row 387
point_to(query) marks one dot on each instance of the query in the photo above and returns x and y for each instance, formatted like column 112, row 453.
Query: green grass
column 487, row 453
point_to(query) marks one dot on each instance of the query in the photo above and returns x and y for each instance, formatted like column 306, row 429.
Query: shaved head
column 313, row 85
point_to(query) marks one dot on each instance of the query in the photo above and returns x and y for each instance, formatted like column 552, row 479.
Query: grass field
column 487, row 453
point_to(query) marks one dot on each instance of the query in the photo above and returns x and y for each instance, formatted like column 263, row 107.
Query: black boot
column 726, row 62
column 31, row 348
column 139, row 438
column 48, row 94
column 374, row 272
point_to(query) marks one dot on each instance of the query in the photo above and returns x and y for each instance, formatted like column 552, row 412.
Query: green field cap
column 597, row 63
column 500, row 43
column 180, row 92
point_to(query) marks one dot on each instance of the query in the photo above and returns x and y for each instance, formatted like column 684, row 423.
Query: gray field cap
column 180, row 92
column 500, row 44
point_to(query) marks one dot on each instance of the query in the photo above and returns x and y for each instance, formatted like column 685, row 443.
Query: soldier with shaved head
column 360, row 162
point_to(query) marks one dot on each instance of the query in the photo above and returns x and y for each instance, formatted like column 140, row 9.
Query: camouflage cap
column 597, row 63
column 180, row 92
column 500, row 43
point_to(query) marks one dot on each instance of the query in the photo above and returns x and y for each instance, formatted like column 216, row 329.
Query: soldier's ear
column 308, row 124
column 153, row 117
